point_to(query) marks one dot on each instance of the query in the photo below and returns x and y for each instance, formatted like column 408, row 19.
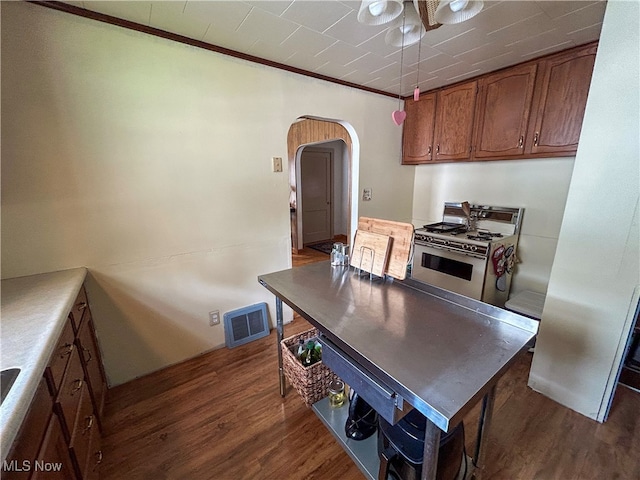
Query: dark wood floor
column 220, row 416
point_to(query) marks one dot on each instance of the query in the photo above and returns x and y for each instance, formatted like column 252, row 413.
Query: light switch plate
column 366, row 194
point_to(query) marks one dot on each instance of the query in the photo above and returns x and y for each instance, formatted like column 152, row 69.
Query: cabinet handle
column 89, row 424
column 77, row 385
column 81, row 306
column 88, row 353
column 521, row 141
column 67, row 349
column 98, row 456
column 429, row 150
column 535, row 140
column 438, row 149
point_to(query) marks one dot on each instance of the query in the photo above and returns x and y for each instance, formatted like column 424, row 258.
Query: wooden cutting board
column 370, row 251
column 401, row 242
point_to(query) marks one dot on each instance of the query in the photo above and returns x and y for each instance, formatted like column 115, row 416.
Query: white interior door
column 315, row 176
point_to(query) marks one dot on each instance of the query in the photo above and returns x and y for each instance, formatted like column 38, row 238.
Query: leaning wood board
column 369, row 246
column 401, row 242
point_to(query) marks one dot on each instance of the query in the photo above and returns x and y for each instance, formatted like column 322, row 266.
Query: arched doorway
column 308, row 131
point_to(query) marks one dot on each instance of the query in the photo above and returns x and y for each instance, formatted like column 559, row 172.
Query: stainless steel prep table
column 438, row 351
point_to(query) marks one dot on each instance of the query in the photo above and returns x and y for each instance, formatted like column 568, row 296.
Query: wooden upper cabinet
column 454, row 122
column 502, row 116
column 559, row 102
column 417, row 133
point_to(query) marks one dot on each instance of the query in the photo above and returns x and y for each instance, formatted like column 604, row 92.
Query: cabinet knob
column 535, row 140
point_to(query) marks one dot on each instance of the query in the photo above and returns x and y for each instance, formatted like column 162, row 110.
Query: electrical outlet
column 277, row 164
column 366, row 194
column 214, row 318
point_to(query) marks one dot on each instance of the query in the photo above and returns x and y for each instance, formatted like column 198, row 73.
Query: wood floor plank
column 220, row 416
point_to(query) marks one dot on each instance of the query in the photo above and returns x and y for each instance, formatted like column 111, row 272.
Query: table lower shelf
column 364, row 453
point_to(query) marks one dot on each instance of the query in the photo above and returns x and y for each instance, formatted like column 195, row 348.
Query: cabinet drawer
column 70, row 392
column 85, row 423
column 94, row 457
column 385, row 401
column 60, row 358
column 79, row 307
column 89, row 354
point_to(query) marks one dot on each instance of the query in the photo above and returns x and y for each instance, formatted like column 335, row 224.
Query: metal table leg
column 431, row 447
column 483, row 430
column 279, row 336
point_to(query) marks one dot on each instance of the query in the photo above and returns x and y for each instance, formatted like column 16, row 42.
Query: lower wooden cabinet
column 54, row 462
column 60, row 436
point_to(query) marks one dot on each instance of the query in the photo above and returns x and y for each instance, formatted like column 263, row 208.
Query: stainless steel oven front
column 463, row 273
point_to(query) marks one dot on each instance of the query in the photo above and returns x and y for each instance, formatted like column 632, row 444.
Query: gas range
column 472, row 251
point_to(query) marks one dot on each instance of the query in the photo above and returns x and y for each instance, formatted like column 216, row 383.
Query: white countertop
column 33, row 313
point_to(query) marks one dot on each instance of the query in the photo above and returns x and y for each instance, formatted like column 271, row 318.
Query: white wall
column 538, row 185
column 596, row 268
column 149, row 162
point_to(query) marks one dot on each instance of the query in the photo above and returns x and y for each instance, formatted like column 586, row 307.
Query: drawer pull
column 77, row 385
column 81, row 306
column 88, row 354
column 67, row 348
column 89, row 424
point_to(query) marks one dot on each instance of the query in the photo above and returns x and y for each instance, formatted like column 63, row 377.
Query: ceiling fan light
column 456, row 11
column 379, row 12
column 413, row 29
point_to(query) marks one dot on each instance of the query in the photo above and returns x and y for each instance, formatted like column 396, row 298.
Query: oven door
column 457, row 272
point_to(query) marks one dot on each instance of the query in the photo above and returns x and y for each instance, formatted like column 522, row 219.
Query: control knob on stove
column 473, row 248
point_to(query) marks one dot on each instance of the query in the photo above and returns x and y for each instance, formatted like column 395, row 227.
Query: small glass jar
column 336, row 394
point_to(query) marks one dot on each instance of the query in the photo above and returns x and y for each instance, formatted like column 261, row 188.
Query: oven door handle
column 447, row 249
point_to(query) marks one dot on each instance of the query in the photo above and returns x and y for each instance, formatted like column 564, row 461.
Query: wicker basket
column 312, row 382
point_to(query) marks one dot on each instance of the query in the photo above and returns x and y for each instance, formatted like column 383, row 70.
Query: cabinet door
column 454, row 121
column 504, row 105
column 70, row 393
column 417, row 134
column 24, row 452
column 60, row 358
column 91, row 363
column 54, row 461
column 561, row 97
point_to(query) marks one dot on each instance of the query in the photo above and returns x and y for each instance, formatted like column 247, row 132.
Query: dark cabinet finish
column 454, row 121
column 502, row 116
column 417, row 134
column 561, row 98
column 62, row 426
column 90, row 355
column 55, row 453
